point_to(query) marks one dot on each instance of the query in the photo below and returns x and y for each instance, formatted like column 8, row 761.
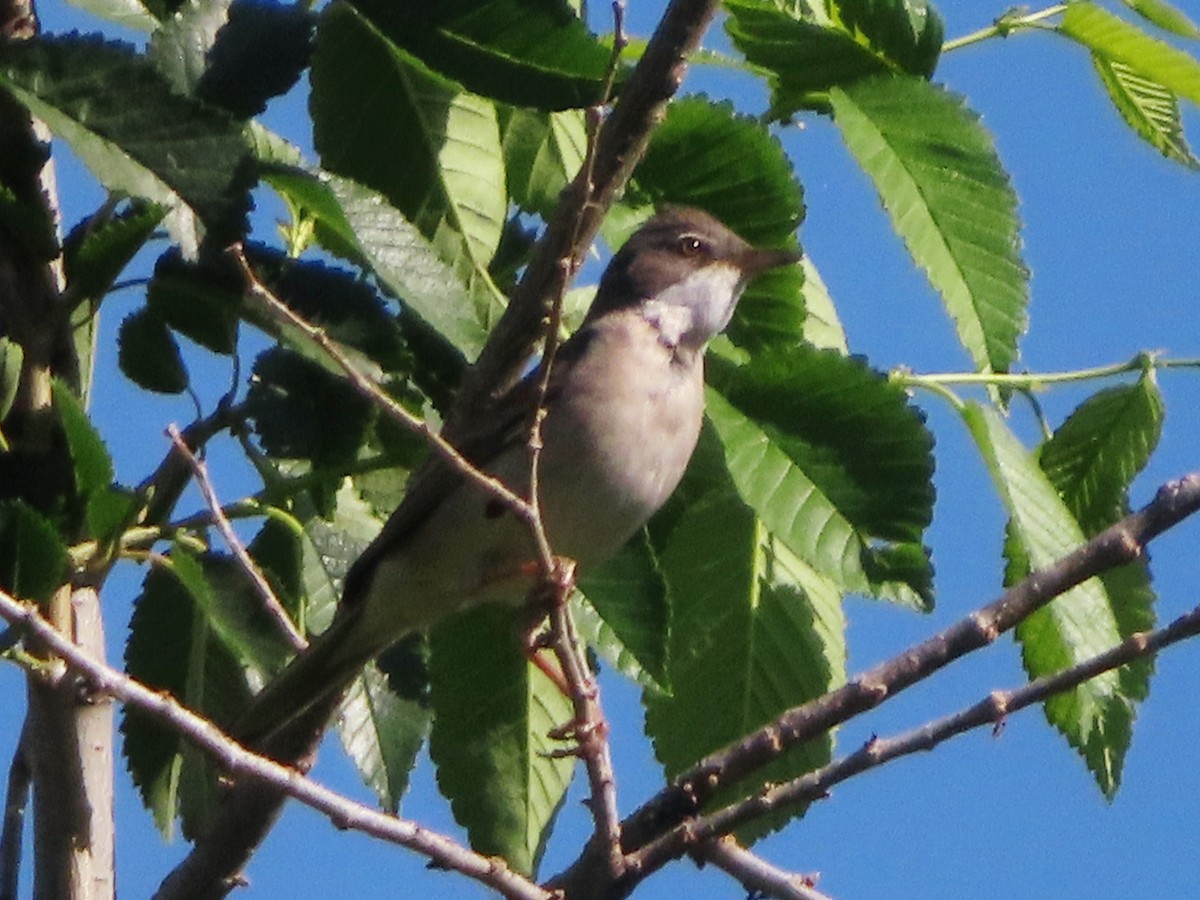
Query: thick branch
column 1122, row 543
column 241, row 763
column 68, row 744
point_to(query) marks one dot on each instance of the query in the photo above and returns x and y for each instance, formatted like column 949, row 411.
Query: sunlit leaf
column 949, row 198
column 1116, row 40
column 1148, row 108
column 1096, row 718
column 434, row 149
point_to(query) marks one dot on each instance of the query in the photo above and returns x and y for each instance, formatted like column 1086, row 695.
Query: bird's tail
column 316, row 677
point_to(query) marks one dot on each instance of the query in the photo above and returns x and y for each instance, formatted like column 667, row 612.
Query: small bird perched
column 624, row 407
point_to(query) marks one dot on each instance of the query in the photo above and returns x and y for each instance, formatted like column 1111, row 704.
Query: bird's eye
column 690, row 245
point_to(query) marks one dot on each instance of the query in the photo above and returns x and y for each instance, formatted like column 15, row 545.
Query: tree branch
column 164, row 485
column 262, row 587
column 589, row 729
column 1119, row 544
column 759, row 876
column 240, row 762
column 991, row 710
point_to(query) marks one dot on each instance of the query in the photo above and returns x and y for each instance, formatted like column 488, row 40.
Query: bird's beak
column 755, row 261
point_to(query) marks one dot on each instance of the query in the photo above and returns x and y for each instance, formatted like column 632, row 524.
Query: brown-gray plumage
column 623, row 413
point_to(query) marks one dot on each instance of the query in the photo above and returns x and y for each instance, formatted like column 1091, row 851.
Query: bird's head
column 687, row 269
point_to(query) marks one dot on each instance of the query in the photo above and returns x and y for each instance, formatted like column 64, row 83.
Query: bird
column 624, row 405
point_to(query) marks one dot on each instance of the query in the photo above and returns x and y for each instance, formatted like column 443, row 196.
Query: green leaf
column 28, row 225
column 33, row 557
column 755, row 632
column 534, row 53
column 822, row 326
column 327, row 550
column 110, row 511
column 180, row 45
column 90, row 458
column 600, row 638
column 171, row 647
column 1094, row 456
column 149, row 355
column 492, row 713
column 121, row 118
column 739, row 172
column 278, row 551
column 12, row 357
column 235, row 612
column 949, row 198
column 908, row 33
column 131, row 14
column 382, row 733
column 213, row 50
column 542, row 153
column 95, row 253
column 434, row 150
column 200, row 300
column 271, row 148
column 629, row 594
column 1148, row 108
column 1165, row 16
column 380, row 729
column 835, row 462
column 809, row 52
column 300, row 411
column 1096, row 718
column 1091, row 460
column 359, row 224
column 1117, row 41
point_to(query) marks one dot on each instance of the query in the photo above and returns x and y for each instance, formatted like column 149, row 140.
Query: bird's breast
column 618, row 439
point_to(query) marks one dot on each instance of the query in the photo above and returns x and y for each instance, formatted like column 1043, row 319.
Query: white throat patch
column 698, row 308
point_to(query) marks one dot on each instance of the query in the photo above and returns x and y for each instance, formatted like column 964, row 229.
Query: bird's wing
column 505, row 425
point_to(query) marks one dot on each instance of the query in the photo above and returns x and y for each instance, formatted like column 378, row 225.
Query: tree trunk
column 71, row 756
column 67, row 743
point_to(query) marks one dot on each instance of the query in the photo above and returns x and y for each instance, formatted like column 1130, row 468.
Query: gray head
column 685, row 265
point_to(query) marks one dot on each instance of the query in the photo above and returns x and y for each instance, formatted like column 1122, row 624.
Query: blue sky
column 1111, row 235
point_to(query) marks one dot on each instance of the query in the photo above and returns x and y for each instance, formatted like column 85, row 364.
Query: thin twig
column 16, row 799
column 589, row 727
column 759, row 876
column 377, row 396
column 262, row 587
column 239, row 762
column 990, row 710
column 1119, row 544
column 166, row 483
column 564, row 274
